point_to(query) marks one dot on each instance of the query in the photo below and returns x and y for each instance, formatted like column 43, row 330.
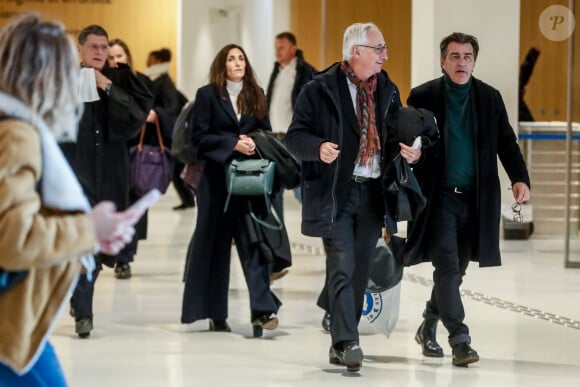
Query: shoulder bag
column 151, row 165
column 252, row 177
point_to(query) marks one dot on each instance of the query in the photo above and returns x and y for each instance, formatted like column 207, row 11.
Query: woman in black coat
column 225, row 110
column 119, row 53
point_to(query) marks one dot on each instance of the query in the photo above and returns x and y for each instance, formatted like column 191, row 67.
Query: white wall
column 208, row 25
column 424, row 42
column 496, row 25
column 281, row 16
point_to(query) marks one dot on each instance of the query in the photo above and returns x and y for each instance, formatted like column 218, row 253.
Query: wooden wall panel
column 145, row 25
column 393, row 18
column 546, row 91
column 306, row 24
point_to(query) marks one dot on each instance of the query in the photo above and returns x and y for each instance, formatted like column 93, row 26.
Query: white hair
column 356, row 34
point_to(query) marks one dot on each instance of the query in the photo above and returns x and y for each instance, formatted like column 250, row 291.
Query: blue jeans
column 46, row 372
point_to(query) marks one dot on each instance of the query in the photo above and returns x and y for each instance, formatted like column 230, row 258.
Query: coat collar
column 226, row 105
column 384, row 93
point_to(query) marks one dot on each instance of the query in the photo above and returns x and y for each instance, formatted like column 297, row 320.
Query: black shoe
column 463, row 355
column 184, row 206
column 219, row 326
column 108, row 260
column 83, row 327
column 123, row 271
column 265, row 321
column 334, row 356
column 426, row 337
column 351, row 357
column 326, row 322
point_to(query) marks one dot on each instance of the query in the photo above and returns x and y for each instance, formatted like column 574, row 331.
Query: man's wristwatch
column 108, row 88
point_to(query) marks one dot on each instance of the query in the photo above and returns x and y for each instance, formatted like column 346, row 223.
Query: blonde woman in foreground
column 49, row 230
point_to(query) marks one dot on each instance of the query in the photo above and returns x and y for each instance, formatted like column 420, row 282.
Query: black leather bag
column 181, row 145
column 385, row 268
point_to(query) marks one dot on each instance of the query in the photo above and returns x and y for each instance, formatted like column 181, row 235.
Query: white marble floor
column 524, row 319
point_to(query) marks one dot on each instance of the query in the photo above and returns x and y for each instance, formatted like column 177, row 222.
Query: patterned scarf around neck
column 370, row 144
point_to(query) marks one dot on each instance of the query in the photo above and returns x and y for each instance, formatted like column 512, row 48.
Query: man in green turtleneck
column 459, row 176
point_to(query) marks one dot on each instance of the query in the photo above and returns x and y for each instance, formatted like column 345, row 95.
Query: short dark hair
column 93, row 29
column 461, row 38
column 164, row 55
column 287, row 35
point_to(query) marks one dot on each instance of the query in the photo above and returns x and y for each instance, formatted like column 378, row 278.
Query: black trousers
column 207, row 272
column 349, row 249
column 81, row 301
column 452, row 244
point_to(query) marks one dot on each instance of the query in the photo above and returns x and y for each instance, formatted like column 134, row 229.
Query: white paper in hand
column 146, row 201
column 416, row 143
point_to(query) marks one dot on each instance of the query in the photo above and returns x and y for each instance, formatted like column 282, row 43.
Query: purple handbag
column 151, row 165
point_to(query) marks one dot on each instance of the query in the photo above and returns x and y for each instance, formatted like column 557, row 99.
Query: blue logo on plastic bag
column 373, row 306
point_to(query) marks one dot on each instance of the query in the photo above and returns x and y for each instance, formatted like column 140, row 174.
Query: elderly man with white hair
column 337, row 132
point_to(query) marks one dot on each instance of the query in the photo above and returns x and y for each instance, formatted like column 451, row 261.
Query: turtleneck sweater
column 460, row 149
column 234, row 89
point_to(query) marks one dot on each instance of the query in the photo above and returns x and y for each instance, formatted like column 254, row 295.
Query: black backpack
column 181, row 145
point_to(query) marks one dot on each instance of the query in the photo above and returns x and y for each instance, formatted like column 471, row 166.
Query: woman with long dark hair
column 225, row 111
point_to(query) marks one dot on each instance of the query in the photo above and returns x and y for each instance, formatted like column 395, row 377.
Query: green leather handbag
column 252, row 177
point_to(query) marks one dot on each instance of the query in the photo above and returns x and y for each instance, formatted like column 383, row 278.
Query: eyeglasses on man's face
column 95, row 46
column 378, row 49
